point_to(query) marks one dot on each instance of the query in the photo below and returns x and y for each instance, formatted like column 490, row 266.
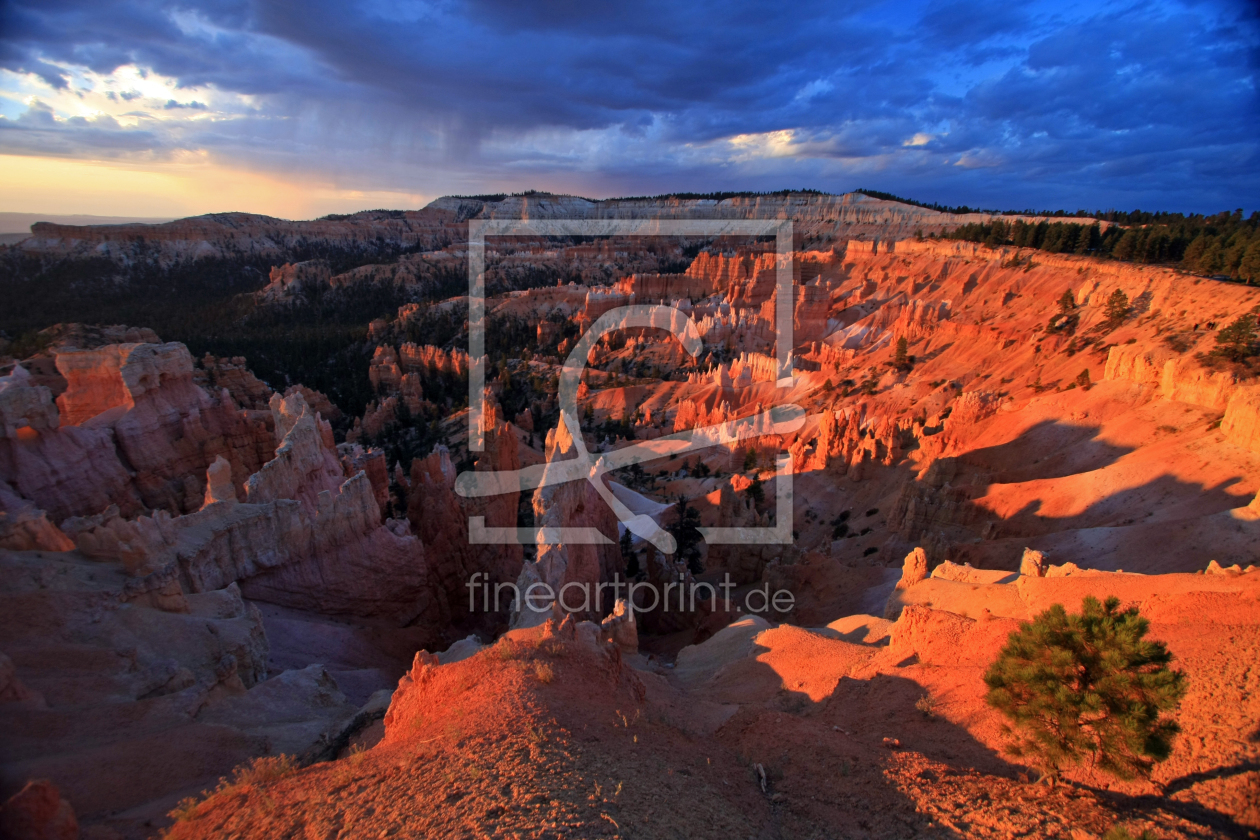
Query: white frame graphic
column 587, row 466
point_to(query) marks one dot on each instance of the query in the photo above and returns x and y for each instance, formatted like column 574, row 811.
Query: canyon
column 207, row 568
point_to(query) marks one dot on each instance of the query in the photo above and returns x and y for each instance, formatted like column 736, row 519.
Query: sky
column 299, row 109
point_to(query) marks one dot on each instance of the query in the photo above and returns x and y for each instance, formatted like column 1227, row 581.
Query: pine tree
column 1089, row 239
column 1190, row 259
column 1054, row 238
column 997, row 235
column 1021, row 232
column 1238, row 341
column 1067, row 302
column 629, row 555
column 1117, row 308
column 756, row 491
column 1249, row 267
column 1070, row 234
column 686, row 532
column 1125, row 246
column 1213, row 256
column 901, row 358
column 1087, row 686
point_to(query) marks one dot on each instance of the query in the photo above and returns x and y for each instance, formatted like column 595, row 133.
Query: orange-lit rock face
column 976, row 449
column 1241, row 423
column 63, row 471
column 384, row 371
column 425, row 357
column 166, row 427
column 94, row 383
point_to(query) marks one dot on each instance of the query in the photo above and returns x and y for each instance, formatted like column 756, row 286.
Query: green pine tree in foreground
column 1088, row 686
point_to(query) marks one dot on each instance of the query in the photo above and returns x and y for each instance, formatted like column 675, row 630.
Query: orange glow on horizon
column 178, row 188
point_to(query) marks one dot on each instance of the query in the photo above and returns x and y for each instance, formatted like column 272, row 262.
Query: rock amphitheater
column 211, row 577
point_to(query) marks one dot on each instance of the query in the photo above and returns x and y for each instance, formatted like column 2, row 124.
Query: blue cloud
column 969, row 101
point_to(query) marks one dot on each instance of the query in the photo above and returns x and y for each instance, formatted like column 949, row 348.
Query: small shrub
column 186, row 809
column 544, row 672
column 1082, row 379
column 1087, row 686
column 259, row 771
column 1120, row 833
column 927, row 705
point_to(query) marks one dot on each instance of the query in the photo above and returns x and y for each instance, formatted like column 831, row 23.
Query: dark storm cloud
column 975, row 101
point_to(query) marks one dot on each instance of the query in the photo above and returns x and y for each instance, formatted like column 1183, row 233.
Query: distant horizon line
column 10, row 220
